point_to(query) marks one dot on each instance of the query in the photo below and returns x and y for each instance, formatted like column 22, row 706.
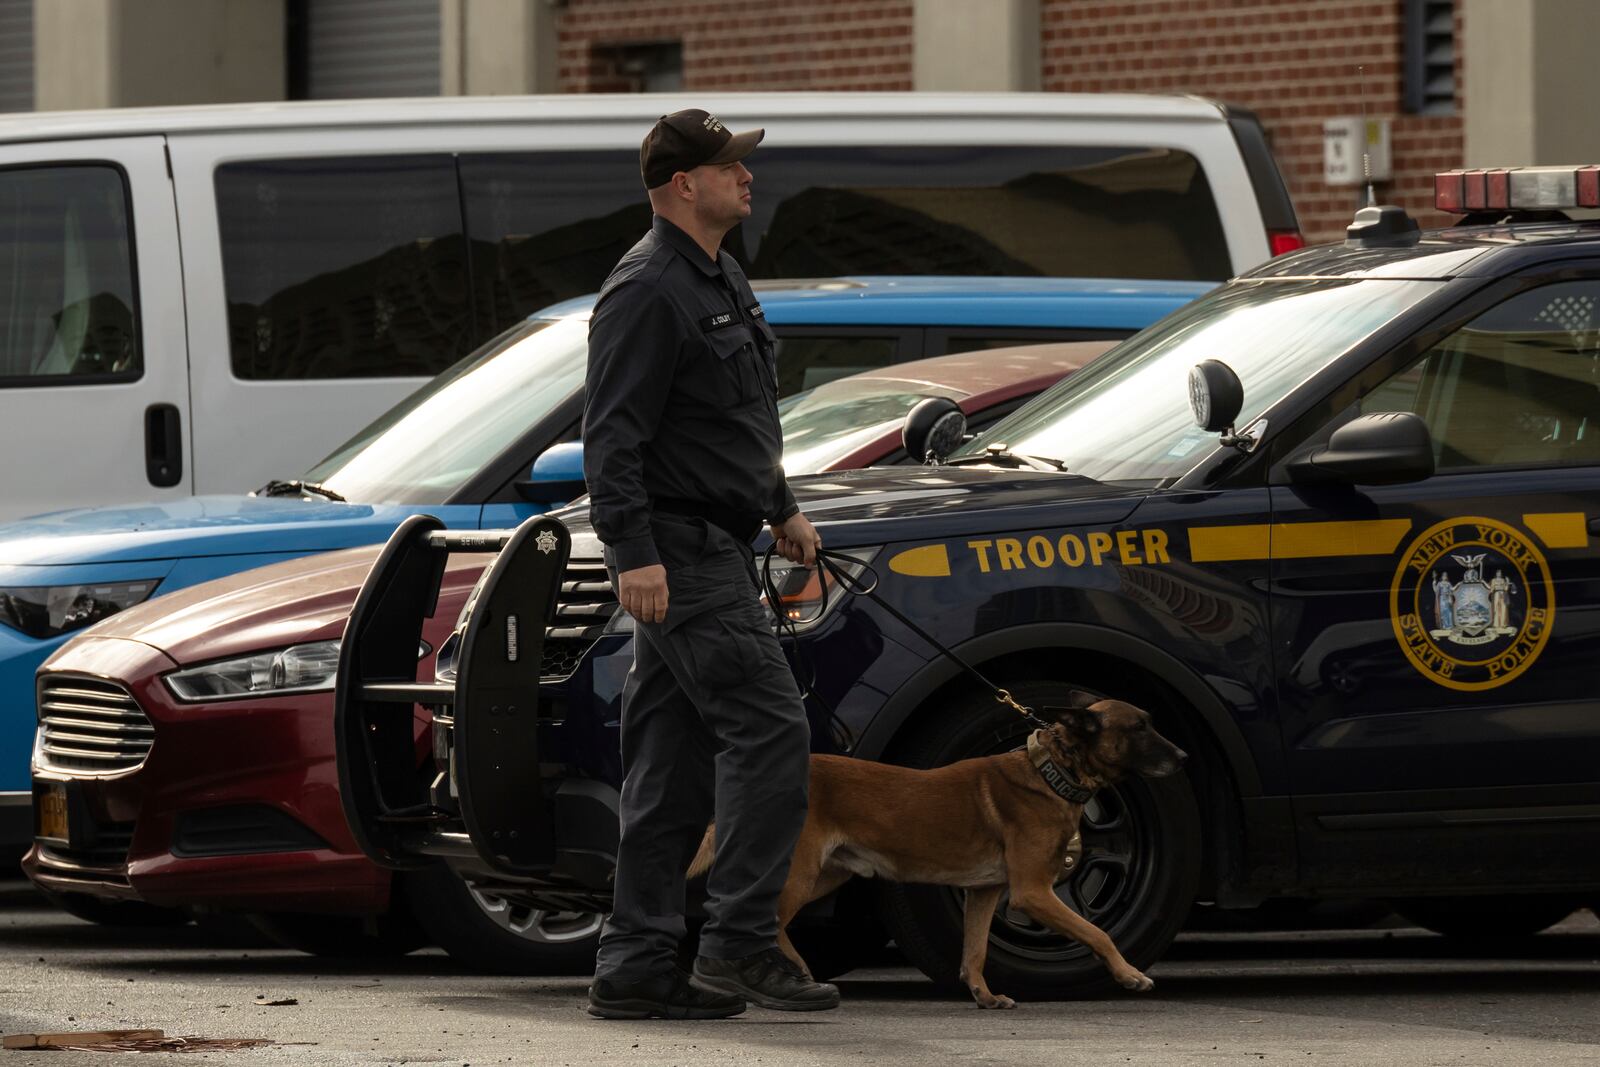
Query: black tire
column 1150, row 823
column 1486, row 918
column 488, row 934
column 355, row 937
column 127, row 913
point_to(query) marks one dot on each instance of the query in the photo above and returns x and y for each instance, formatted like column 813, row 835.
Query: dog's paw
column 1136, row 981
column 995, row 1000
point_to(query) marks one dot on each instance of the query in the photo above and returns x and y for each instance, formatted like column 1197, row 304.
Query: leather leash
column 829, row 563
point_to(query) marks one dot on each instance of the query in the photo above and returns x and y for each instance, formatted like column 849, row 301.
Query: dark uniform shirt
column 680, row 403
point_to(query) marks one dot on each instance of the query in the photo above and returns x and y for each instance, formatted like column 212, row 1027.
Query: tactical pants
column 712, row 726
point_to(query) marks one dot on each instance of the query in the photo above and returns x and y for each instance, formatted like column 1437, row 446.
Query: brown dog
column 986, row 825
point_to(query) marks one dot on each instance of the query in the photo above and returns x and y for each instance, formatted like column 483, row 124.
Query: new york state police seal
column 1472, row 603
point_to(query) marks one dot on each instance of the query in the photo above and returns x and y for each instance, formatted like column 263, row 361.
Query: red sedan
column 222, row 793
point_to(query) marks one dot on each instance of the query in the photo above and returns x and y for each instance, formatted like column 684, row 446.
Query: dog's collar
column 1057, row 777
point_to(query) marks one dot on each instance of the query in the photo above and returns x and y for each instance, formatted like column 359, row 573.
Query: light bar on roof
column 1517, row 189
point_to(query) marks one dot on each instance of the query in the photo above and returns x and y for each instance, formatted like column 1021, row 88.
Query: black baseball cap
column 688, row 139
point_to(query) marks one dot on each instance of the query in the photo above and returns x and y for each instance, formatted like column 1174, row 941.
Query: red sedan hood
column 305, row 599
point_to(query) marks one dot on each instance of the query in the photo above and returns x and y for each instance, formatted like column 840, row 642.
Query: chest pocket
column 738, row 371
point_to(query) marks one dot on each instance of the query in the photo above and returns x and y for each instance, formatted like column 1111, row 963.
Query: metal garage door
column 359, row 48
column 16, row 55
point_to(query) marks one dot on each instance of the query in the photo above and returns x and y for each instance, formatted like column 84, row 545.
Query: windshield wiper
column 1001, row 454
column 296, row 487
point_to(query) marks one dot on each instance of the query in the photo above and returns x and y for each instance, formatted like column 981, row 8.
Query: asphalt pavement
column 1391, row 996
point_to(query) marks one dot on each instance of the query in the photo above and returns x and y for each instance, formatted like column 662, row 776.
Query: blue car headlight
column 51, row 610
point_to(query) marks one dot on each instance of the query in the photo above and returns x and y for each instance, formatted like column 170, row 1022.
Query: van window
column 344, row 267
column 68, row 309
column 547, row 226
column 1067, row 211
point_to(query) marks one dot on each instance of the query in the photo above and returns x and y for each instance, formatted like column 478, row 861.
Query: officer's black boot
column 668, row 996
column 769, row 979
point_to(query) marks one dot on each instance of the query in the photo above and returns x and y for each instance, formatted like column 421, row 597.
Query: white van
column 201, row 299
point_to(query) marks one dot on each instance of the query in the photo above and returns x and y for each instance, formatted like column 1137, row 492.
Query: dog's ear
column 1081, row 722
column 1077, row 698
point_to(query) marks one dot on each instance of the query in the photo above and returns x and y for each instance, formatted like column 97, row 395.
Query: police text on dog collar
column 1057, row 777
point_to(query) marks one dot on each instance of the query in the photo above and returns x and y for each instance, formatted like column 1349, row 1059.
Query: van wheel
column 1135, row 880
column 489, row 934
column 1486, row 917
column 361, row 937
column 129, row 913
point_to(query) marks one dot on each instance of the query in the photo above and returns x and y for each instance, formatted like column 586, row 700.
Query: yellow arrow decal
column 929, row 561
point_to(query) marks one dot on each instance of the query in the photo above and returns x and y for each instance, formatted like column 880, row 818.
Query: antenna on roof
column 1366, row 157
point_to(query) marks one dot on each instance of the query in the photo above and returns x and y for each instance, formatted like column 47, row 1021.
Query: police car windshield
column 1125, row 417
column 825, row 424
column 426, row 447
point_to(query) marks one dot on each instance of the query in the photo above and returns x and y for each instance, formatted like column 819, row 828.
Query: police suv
column 1331, row 525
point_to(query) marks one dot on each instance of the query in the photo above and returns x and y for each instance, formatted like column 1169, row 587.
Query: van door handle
column 163, row 445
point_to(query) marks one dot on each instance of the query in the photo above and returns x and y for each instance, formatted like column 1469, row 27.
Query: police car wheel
column 1135, row 880
column 1486, row 917
column 487, row 933
column 342, row 936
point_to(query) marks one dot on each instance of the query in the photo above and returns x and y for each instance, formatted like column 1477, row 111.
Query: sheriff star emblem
column 546, row 541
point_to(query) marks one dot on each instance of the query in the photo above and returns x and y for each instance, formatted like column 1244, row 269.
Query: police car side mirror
column 557, row 475
column 933, row 429
column 1383, row 448
column 1215, row 395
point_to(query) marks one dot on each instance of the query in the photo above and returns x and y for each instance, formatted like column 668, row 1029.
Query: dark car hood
column 907, row 503
column 880, row 504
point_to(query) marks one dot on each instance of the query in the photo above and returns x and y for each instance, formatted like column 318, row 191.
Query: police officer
column 682, row 452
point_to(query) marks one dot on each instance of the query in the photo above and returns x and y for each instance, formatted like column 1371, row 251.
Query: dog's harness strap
column 826, row 564
column 1057, row 777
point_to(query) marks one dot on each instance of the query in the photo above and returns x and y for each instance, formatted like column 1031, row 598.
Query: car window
column 344, row 267
column 68, row 310
column 433, row 442
column 1125, row 417
column 1064, row 210
column 955, row 341
column 809, row 360
column 1517, row 386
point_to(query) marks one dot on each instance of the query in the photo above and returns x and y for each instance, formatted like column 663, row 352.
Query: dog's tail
column 702, row 859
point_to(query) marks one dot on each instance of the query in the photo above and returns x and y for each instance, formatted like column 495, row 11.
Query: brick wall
column 1291, row 61
column 732, row 45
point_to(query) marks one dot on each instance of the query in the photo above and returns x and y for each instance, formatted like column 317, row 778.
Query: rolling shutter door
column 16, row 55
column 358, row 48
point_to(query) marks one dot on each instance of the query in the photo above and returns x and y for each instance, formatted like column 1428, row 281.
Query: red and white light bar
column 1517, row 189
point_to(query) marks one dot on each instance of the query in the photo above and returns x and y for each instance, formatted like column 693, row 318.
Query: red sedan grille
column 91, row 725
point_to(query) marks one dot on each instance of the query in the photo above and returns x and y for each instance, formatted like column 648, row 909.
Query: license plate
column 51, row 804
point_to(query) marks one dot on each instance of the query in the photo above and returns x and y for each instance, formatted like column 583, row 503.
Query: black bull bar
column 486, row 800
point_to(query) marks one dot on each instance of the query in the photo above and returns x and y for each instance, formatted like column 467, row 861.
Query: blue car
column 486, row 444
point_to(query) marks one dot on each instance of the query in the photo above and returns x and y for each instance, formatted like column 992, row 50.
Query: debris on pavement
column 131, row 1041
